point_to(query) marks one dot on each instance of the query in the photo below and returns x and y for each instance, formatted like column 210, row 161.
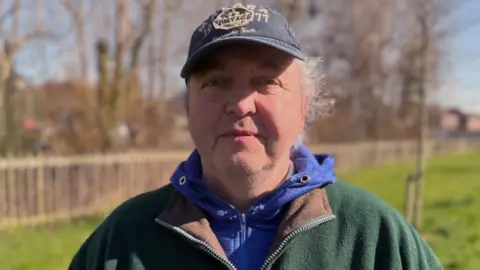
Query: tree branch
column 147, row 12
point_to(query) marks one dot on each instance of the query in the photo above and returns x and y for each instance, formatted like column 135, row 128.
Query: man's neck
column 242, row 191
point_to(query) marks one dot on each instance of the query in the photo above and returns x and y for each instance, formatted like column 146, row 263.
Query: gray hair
column 314, row 90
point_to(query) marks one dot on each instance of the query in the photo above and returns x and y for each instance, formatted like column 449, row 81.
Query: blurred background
column 91, row 112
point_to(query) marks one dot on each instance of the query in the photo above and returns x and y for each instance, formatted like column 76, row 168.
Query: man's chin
column 242, row 159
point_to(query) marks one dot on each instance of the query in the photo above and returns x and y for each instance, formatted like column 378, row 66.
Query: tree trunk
column 422, row 116
column 167, row 17
column 118, row 76
column 103, row 89
column 421, row 161
column 80, row 33
column 10, row 141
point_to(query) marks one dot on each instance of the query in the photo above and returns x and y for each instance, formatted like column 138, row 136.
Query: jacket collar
column 309, row 172
column 187, row 216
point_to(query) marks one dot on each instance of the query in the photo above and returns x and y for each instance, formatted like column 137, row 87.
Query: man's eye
column 268, row 81
column 212, row 83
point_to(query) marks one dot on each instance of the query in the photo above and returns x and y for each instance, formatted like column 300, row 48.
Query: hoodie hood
column 309, row 172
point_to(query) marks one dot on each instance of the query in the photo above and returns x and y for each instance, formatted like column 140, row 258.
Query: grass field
column 451, row 222
column 451, row 217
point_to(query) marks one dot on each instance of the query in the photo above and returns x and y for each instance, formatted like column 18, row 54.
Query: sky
column 463, row 88
column 462, row 76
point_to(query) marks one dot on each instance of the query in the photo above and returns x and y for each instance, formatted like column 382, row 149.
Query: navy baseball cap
column 241, row 24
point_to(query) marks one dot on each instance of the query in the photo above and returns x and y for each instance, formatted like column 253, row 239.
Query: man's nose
column 241, row 103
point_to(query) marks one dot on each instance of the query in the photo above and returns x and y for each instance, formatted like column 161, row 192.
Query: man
column 251, row 196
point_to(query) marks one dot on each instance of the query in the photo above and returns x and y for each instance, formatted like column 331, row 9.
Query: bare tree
column 103, row 88
column 414, row 69
column 118, row 92
column 353, row 40
column 152, row 66
column 14, row 41
column 77, row 9
column 419, row 70
column 170, row 8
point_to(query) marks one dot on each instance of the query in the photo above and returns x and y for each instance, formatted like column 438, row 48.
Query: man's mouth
column 240, row 135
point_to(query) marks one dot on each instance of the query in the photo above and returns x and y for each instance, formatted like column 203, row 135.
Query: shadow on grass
column 452, row 266
column 442, row 232
column 458, row 202
column 453, row 171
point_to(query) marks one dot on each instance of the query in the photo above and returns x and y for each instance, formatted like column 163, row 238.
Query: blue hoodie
column 247, row 237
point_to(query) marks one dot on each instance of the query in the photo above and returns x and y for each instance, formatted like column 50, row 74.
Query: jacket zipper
column 316, row 222
column 243, row 235
column 204, row 245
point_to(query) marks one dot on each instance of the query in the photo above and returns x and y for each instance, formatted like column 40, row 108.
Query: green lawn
column 451, row 222
column 451, row 217
column 48, row 248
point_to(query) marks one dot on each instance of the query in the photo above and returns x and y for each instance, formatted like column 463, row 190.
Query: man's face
column 245, row 107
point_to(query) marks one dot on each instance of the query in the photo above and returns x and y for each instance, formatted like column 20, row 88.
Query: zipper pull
column 243, row 222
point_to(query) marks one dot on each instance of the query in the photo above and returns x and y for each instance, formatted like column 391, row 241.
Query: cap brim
column 208, row 48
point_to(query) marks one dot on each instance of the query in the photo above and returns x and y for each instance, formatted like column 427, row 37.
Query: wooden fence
column 43, row 189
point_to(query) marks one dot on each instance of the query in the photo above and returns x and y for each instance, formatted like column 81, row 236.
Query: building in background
column 456, row 122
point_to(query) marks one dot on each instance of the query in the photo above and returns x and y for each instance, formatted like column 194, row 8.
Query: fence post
column 40, row 173
column 12, row 195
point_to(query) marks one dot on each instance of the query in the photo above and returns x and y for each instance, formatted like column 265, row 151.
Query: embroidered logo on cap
column 233, row 17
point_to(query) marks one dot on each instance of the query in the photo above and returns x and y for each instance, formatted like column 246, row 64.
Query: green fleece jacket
column 336, row 227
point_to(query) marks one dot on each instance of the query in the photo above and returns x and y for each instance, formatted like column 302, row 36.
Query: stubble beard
column 249, row 175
